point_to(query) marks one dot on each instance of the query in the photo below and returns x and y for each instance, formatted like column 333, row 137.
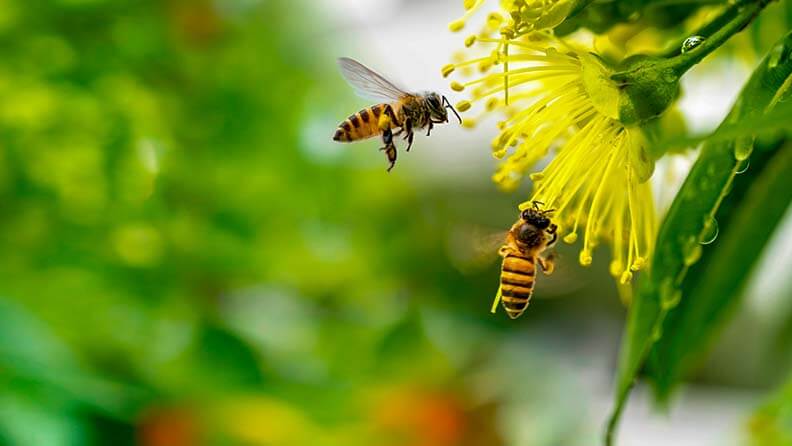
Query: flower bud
column 642, row 89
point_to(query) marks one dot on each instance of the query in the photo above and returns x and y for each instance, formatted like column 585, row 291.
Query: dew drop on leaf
column 742, row 166
column 691, row 43
column 672, row 300
column 775, row 56
column 669, row 294
column 657, row 333
column 743, row 148
column 692, row 253
column 710, row 231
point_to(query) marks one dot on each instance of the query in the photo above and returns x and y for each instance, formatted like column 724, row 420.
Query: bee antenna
column 536, row 204
column 549, row 211
column 448, row 105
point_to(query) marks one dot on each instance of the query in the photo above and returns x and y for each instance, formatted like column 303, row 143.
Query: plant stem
column 725, row 16
column 745, row 13
column 730, row 22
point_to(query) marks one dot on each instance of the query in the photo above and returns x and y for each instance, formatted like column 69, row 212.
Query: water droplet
column 693, row 255
column 742, row 166
column 657, row 333
column 710, row 231
column 743, row 148
column 669, row 294
column 672, row 300
column 692, row 42
column 775, row 56
column 691, row 251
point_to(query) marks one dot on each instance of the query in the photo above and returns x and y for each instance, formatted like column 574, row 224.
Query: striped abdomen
column 363, row 124
column 517, row 282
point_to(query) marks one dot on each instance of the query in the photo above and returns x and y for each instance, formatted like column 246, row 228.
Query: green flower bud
column 642, row 90
column 647, row 86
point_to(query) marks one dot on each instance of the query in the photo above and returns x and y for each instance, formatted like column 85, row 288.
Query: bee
column 401, row 112
column 526, row 241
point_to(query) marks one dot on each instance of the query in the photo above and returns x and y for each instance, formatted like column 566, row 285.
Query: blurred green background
column 188, row 259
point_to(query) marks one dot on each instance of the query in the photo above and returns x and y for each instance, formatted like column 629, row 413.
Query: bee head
column 437, row 107
column 537, row 217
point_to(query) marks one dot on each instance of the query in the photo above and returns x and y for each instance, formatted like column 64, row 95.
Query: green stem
column 706, row 31
column 730, row 22
column 580, row 6
column 746, row 12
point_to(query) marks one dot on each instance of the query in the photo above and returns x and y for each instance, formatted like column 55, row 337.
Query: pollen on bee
column 384, row 122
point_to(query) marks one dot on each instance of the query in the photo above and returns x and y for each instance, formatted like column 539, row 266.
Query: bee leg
column 390, row 148
column 553, row 231
column 390, row 152
column 408, row 133
column 547, row 263
column 429, row 129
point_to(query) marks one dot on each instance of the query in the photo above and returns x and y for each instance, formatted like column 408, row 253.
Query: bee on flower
column 560, row 101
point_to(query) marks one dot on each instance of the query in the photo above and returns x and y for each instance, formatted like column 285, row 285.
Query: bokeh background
column 187, row 258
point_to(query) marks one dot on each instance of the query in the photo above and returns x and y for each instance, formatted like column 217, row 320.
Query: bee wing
column 367, row 83
column 473, row 248
column 487, row 244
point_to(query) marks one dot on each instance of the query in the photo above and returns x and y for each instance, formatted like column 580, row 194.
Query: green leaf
column 771, row 425
column 689, row 221
column 714, row 285
column 775, row 121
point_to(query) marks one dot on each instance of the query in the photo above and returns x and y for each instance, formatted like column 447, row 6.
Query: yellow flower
column 594, row 189
column 559, row 98
column 525, row 15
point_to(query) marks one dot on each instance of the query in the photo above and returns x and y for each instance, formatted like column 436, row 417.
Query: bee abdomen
column 517, row 282
column 363, row 124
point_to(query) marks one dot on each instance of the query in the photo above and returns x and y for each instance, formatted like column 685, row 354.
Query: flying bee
column 525, row 244
column 403, row 112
